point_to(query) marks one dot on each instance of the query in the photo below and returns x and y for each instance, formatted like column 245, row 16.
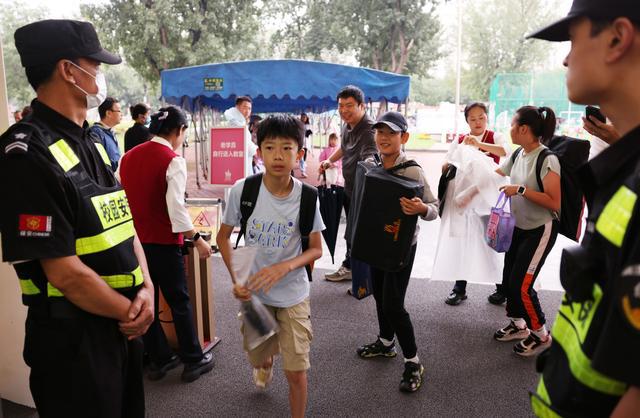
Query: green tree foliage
column 494, row 40
column 13, row 16
column 400, row 36
column 160, row 34
column 126, row 85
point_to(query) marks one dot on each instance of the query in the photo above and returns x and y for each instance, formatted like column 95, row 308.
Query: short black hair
column 600, row 24
column 40, row 74
column 26, row 111
column 470, row 106
column 351, row 91
column 106, row 105
column 241, row 99
column 281, row 126
column 253, row 122
column 166, row 120
column 138, row 109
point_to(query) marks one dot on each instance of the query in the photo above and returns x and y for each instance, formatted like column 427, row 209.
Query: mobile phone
column 596, row 113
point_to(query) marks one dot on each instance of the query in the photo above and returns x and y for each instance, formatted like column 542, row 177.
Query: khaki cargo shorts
column 293, row 341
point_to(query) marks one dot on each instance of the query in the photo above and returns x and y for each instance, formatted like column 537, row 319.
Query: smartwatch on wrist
column 195, row 237
column 521, row 190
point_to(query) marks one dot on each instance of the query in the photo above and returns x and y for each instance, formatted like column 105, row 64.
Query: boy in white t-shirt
column 278, row 277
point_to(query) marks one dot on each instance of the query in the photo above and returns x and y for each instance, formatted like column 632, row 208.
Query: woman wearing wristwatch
column 154, row 177
column 536, row 228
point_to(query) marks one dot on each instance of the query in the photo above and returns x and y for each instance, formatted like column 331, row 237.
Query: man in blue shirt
column 110, row 116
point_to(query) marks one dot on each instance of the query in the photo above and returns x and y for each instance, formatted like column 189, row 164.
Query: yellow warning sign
column 205, row 218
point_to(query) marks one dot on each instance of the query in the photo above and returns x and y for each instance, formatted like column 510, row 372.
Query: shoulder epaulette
column 16, row 139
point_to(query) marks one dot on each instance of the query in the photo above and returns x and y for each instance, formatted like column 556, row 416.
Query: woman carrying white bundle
column 469, row 195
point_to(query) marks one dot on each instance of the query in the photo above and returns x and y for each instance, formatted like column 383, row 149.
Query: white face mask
column 94, row 100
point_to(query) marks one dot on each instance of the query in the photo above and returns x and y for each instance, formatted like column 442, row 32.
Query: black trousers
column 461, row 287
column 522, row 263
column 83, row 367
column 166, row 267
column 347, row 257
column 389, row 290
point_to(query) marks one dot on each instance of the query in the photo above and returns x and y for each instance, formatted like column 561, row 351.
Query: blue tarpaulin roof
column 277, row 85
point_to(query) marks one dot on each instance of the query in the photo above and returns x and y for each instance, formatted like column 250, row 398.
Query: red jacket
column 143, row 172
column 487, row 138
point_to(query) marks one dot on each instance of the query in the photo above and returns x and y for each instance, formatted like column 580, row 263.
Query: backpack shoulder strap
column 539, row 161
column 515, row 154
column 401, row 166
column 248, row 199
column 306, row 217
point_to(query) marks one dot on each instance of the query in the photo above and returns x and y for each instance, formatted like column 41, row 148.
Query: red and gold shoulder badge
column 630, row 296
column 35, row 226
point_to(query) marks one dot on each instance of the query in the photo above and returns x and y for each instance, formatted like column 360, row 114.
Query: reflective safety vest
column 103, row 226
column 568, row 377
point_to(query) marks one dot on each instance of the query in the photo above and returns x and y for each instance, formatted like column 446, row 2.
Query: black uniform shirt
column 136, row 135
column 38, row 210
column 357, row 144
column 613, row 340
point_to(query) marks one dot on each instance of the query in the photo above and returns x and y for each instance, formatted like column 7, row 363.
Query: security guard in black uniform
column 593, row 366
column 67, row 229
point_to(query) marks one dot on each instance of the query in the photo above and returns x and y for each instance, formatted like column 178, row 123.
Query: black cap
column 597, row 9
column 394, row 120
column 48, row 41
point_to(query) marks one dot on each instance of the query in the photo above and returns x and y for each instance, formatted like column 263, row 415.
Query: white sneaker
column 262, row 377
column 343, row 273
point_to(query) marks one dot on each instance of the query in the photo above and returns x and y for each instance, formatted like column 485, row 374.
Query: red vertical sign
column 227, row 155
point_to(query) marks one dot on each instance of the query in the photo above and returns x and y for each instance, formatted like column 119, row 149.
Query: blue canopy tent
column 277, row 85
column 274, row 86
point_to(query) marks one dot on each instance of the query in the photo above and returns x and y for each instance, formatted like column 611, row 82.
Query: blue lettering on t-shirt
column 269, row 234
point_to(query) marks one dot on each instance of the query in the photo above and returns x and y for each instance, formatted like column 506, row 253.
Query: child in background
column 335, row 169
column 389, row 288
column 278, row 278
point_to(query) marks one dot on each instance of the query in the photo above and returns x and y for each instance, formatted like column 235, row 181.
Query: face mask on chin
column 94, row 100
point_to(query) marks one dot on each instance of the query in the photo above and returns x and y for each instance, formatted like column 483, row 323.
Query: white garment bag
column 462, row 253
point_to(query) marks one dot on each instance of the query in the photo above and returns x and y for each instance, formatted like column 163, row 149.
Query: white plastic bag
column 258, row 323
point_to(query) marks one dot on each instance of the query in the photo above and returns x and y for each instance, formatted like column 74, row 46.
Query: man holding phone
column 596, row 124
column 593, row 365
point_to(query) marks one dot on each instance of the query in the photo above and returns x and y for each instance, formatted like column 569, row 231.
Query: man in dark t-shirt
column 357, row 144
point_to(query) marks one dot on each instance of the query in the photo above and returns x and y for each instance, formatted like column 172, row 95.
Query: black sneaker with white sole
column 511, row 332
column 377, row 349
column 532, row 345
column 412, row 377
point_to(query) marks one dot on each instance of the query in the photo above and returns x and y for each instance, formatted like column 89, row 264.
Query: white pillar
column 14, row 374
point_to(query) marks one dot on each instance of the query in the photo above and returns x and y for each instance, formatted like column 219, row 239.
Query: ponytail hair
column 541, row 121
column 167, row 120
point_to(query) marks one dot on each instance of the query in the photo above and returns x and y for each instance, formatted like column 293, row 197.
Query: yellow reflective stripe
column 64, row 155
column 105, row 240
column 103, row 153
column 52, row 291
column 119, row 281
column 612, row 223
column 28, row 288
column 580, row 365
column 580, row 314
column 541, row 405
column 112, row 208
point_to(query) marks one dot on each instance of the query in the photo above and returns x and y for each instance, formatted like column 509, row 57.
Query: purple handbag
column 500, row 226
